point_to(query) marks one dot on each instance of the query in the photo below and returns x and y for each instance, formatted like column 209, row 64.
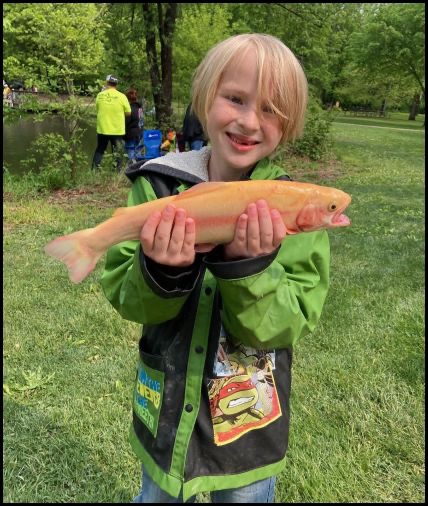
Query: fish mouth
column 339, row 219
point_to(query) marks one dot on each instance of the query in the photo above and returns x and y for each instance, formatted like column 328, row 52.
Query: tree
column 317, row 33
column 52, row 44
column 125, row 52
column 198, row 28
column 392, row 43
column 159, row 24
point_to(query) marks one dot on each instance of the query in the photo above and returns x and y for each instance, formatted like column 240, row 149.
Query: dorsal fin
column 201, row 188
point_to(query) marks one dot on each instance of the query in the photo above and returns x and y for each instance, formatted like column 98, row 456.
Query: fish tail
column 75, row 252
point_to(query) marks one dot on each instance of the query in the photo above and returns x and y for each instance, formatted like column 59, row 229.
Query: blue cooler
column 152, row 143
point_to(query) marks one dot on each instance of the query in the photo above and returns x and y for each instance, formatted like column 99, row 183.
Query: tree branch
column 297, row 14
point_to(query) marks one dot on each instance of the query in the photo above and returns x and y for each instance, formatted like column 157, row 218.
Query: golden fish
column 215, row 207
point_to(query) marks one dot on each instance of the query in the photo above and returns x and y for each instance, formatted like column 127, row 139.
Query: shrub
column 57, row 159
column 317, row 139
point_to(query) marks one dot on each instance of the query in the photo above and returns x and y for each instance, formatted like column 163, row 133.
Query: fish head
column 324, row 209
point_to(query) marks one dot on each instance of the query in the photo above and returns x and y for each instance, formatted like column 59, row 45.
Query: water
column 18, row 136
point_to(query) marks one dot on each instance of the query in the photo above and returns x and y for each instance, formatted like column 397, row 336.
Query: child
column 169, row 144
column 211, row 399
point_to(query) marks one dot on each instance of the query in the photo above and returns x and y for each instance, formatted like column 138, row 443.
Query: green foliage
column 51, row 45
column 125, row 55
column 317, row 140
column 197, row 30
column 56, row 163
column 390, row 45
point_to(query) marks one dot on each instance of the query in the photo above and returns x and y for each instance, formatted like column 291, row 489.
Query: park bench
column 365, row 112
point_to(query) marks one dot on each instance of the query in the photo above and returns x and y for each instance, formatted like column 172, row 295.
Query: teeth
column 240, row 400
column 239, row 142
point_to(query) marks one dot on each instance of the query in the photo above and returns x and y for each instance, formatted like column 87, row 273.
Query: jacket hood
column 188, row 166
column 192, row 167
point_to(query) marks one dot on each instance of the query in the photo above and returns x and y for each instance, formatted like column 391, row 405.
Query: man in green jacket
column 211, row 399
column 112, row 107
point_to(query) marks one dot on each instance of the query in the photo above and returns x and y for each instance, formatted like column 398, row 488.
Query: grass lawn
column 357, row 424
column 393, row 120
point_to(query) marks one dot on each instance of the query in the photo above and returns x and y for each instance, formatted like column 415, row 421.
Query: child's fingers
column 163, row 232
column 178, row 232
column 253, row 229
column 241, row 230
column 147, row 236
column 188, row 245
column 266, row 227
column 278, row 226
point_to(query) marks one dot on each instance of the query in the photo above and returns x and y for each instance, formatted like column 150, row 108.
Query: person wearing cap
column 112, row 106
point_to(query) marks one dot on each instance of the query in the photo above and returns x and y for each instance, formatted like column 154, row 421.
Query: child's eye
column 235, row 99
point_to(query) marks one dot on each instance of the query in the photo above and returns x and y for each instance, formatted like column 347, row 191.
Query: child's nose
column 249, row 120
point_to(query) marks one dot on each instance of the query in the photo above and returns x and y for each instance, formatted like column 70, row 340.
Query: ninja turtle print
column 243, row 394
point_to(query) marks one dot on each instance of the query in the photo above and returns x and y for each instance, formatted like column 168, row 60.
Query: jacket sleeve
column 272, row 301
column 138, row 288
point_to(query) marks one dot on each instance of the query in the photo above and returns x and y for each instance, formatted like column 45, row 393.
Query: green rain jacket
column 211, row 397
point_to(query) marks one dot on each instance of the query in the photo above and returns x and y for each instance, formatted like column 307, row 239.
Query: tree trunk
column 160, row 76
column 415, row 107
column 152, row 58
column 167, row 15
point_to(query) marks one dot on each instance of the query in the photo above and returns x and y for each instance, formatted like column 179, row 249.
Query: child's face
column 241, row 130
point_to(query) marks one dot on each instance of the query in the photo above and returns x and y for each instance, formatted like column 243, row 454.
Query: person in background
column 7, row 94
column 169, row 144
column 133, row 126
column 211, row 403
column 192, row 132
column 112, row 106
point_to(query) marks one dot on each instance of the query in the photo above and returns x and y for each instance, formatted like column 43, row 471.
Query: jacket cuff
column 166, row 278
column 237, row 269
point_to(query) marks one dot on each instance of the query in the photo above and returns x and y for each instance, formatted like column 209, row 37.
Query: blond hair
column 281, row 80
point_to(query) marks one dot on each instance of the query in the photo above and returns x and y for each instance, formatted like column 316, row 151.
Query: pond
column 19, row 134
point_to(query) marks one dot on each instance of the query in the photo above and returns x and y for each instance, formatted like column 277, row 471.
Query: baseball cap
column 111, row 79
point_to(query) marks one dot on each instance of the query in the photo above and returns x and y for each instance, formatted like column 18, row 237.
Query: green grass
column 393, row 120
column 357, row 424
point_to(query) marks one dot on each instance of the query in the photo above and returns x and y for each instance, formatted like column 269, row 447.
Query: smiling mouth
column 241, row 141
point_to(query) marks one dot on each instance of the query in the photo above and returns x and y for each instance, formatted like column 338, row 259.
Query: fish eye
column 332, row 207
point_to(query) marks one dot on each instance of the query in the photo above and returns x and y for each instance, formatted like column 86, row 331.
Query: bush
column 57, row 162
column 317, row 140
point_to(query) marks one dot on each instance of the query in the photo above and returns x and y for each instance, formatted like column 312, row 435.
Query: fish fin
column 77, row 255
column 199, row 188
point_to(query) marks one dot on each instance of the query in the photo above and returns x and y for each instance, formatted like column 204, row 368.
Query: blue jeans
column 259, row 491
column 131, row 150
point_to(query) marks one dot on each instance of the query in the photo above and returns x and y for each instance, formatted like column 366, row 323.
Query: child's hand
column 168, row 238
column 258, row 232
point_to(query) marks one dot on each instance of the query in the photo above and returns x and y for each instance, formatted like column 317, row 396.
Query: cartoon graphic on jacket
column 214, row 370
column 243, row 397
